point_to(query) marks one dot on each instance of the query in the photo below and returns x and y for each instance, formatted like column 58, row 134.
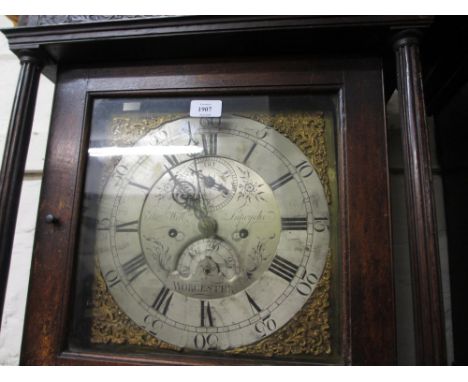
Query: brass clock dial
column 217, row 237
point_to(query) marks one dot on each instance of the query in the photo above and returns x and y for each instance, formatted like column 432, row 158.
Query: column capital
column 33, row 56
column 406, row 37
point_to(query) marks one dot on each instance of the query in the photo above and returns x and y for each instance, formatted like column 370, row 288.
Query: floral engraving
column 248, row 189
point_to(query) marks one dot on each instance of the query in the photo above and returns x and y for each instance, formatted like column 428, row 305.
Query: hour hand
column 221, row 188
column 183, row 192
column 210, row 182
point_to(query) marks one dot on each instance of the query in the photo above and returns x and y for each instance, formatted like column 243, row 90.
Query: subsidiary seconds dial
column 216, row 240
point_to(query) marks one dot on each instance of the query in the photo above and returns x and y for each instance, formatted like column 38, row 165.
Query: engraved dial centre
column 221, row 206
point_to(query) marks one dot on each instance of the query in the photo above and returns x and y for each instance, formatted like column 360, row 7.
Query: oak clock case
column 204, row 235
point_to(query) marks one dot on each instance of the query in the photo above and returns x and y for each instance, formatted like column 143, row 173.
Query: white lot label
column 131, row 106
column 206, row 108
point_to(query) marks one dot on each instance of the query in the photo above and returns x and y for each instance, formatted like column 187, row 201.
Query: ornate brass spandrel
column 306, row 131
column 111, row 326
column 308, row 333
column 127, row 130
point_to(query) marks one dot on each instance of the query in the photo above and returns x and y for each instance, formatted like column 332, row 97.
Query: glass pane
column 211, row 233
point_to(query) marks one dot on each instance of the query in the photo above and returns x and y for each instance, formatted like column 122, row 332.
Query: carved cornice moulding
column 41, row 20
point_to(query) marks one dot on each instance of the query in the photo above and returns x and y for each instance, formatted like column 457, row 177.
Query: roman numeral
column 143, row 187
column 294, row 223
column 172, row 159
column 135, row 267
column 324, row 219
column 205, row 314
column 253, row 304
column 283, row 268
column 249, row 153
column 281, row 181
column 210, row 143
column 127, row 227
column 162, row 301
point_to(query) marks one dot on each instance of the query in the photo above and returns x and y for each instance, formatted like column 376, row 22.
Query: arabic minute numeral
column 305, row 287
column 152, row 324
column 305, row 169
column 206, row 341
column 120, row 171
column 265, row 327
column 262, row 133
column 320, row 224
column 112, row 278
column 158, row 137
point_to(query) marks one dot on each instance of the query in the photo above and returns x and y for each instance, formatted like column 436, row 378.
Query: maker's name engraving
column 243, row 218
column 202, row 289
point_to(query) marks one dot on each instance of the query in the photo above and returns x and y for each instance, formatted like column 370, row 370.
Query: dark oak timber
column 134, row 40
column 423, row 238
column 364, row 223
column 366, row 285
column 52, row 262
column 14, row 159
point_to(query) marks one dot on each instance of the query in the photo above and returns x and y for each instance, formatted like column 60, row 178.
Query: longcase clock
column 212, row 205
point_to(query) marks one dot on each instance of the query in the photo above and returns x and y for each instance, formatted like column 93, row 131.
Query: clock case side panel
column 53, row 265
column 365, row 222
